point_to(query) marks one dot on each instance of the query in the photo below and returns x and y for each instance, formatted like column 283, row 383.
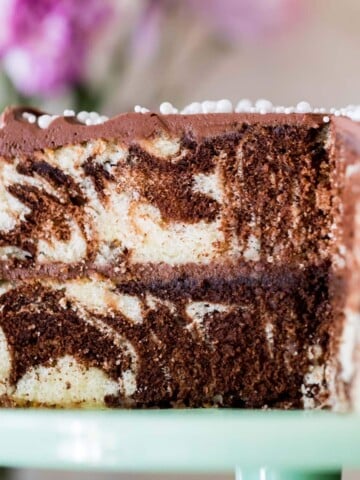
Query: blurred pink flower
column 247, row 19
column 234, row 20
column 147, row 32
column 44, row 44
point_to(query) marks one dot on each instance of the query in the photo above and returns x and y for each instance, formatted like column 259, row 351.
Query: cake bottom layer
column 252, row 342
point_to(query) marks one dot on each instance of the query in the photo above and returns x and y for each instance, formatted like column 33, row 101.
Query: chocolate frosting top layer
column 19, row 137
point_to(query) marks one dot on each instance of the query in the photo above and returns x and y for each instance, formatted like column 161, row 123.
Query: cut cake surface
column 180, row 260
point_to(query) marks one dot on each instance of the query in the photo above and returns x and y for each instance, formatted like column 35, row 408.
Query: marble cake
column 170, row 260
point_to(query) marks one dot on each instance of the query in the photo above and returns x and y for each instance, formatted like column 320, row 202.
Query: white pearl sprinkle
column 94, row 115
column 192, row 109
column 44, row 121
column 303, row 107
column 196, row 107
column 140, row 109
column 91, row 118
column 29, row 117
column 288, row 110
column 208, row 106
column 279, row 109
column 82, row 116
column 263, row 106
column 355, row 114
column 224, row 106
column 166, row 108
column 69, row 113
column 243, row 105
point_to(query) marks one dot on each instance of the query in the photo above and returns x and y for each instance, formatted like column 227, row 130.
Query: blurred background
column 109, row 55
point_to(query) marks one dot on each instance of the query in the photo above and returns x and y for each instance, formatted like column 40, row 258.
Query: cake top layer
column 260, row 106
column 25, row 130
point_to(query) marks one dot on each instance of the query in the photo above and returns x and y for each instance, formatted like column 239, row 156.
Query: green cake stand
column 262, row 445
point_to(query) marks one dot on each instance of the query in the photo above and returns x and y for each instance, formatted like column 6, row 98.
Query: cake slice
column 170, row 260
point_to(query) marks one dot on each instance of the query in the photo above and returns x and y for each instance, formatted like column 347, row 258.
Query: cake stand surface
column 262, row 445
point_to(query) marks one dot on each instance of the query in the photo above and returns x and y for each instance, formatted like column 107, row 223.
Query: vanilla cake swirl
column 170, row 260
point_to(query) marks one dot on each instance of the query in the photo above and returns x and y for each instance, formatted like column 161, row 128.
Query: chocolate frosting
column 19, row 137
